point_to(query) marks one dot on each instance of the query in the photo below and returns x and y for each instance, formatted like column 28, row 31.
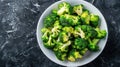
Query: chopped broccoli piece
column 79, row 32
column 80, row 44
column 94, row 20
column 61, row 55
column 63, row 8
column 93, row 45
column 46, row 32
column 73, row 55
column 69, row 20
column 78, row 9
column 85, row 17
column 49, row 20
column 101, row 33
column 49, row 44
column 62, row 47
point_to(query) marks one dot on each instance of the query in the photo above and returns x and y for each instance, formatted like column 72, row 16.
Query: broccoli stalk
column 93, row 44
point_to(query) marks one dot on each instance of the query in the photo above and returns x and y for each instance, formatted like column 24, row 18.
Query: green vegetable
column 73, row 55
column 71, row 31
column 78, row 9
column 93, row 45
column 64, row 8
column 94, row 20
column 80, row 44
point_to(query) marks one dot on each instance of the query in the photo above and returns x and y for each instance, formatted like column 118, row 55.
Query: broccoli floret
column 101, row 33
column 73, row 55
column 78, row 9
column 56, row 29
column 94, row 19
column 64, row 37
column 63, row 8
column 90, row 32
column 49, row 20
column 85, row 17
column 93, row 44
column 46, row 32
column 80, row 44
column 68, row 20
column 60, row 55
column 62, row 47
column 82, row 52
column 54, row 11
column 49, row 44
column 78, row 32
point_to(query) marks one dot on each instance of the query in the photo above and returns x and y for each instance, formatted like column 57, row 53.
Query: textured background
column 18, row 44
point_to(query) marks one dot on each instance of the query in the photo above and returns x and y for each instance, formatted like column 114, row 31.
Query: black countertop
column 18, row 44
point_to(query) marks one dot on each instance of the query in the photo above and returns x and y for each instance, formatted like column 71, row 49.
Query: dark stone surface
column 18, row 44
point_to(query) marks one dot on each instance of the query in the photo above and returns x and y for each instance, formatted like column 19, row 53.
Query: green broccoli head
column 63, row 8
column 69, row 20
column 60, row 55
column 56, row 29
column 78, row 32
column 101, row 33
column 46, row 32
column 54, row 11
column 49, row 20
column 94, row 20
column 78, row 9
column 73, row 55
column 64, row 37
column 62, row 47
column 90, row 32
column 49, row 44
column 82, row 52
column 85, row 17
column 93, row 44
column 80, row 44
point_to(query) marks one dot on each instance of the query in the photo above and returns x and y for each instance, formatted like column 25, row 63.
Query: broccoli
column 49, row 20
column 85, row 17
column 78, row 32
column 64, row 8
column 80, row 44
column 82, row 52
column 60, row 55
column 62, row 47
column 78, row 9
column 69, row 20
column 64, row 37
column 49, row 44
column 101, row 33
column 90, row 32
column 46, row 32
column 56, row 29
column 93, row 44
column 54, row 11
column 73, row 55
column 94, row 19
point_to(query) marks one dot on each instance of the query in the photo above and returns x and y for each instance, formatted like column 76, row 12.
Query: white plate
column 90, row 56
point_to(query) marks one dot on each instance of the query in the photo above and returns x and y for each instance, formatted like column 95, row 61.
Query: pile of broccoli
column 70, row 31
